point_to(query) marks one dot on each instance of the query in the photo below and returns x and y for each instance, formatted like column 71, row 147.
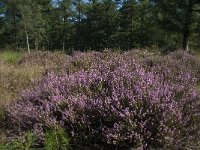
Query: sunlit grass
column 10, row 56
column 14, row 79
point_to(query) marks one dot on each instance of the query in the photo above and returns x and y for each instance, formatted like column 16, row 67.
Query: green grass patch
column 10, row 56
column 57, row 139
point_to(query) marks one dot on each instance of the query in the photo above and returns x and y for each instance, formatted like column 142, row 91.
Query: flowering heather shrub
column 116, row 103
column 86, row 60
column 190, row 62
column 61, row 63
column 176, row 63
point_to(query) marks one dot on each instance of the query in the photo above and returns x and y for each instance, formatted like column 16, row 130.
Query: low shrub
column 115, row 104
column 2, row 124
column 188, row 61
column 45, row 59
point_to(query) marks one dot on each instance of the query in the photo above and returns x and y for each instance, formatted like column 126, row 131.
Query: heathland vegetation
column 100, row 100
column 99, row 74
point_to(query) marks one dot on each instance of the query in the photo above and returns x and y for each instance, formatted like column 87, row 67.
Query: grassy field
column 14, row 78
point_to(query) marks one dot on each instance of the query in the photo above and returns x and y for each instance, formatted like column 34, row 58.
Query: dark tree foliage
column 99, row 24
column 179, row 16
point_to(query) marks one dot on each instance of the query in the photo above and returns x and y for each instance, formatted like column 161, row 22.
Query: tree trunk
column 63, row 46
column 36, row 44
column 27, row 42
column 187, row 23
column 77, row 44
column 142, row 30
column 64, row 31
column 15, row 34
column 26, row 32
column 107, row 30
column 185, row 44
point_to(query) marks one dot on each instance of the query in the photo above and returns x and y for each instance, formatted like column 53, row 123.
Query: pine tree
column 178, row 16
column 126, row 32
column 65, row 12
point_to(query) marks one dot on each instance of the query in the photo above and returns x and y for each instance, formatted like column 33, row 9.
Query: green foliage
column 179, row 18
column 99, row 24
column 10, row 56
column 24, row 143
column 57, row 139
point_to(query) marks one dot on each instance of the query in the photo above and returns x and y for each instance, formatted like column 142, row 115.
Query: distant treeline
column 99, row 24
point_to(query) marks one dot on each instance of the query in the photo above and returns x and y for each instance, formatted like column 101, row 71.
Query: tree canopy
column 98, row 24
